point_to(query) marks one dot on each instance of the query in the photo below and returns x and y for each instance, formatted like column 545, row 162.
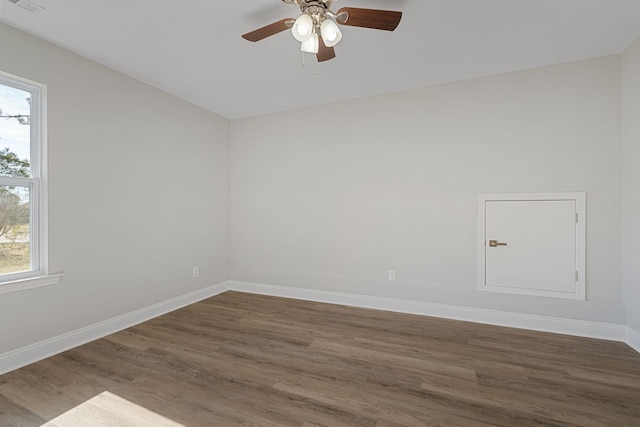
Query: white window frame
column 37, row 183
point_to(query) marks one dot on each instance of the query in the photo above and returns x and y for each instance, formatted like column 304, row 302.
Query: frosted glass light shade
column 303, row 28
column 331, row 34
column 311, row 45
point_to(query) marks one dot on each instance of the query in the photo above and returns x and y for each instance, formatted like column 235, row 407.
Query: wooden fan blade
column 324, row 53
column 369, row 18
column 269, row 30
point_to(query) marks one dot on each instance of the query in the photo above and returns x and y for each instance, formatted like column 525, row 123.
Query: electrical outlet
column 392, row 275
column 196, row 271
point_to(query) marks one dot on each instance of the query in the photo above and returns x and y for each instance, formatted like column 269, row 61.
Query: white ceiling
column 193, row 49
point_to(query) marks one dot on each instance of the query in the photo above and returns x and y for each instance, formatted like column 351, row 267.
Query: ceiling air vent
column 28, row 6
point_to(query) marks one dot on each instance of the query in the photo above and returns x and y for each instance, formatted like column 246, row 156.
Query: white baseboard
column 580, row 328
column 633, row 339
column 47, row 348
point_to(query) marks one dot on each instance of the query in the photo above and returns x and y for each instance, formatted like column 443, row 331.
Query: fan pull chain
column 303, row 61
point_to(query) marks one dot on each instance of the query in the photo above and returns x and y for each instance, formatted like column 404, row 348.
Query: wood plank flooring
column 247, row 360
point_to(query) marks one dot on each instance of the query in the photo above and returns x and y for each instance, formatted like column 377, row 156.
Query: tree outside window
column 15, row 168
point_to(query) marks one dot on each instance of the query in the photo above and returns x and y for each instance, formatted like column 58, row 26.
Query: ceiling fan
column 317, row 30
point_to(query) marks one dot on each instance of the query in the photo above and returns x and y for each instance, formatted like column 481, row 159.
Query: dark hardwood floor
column 247, row 360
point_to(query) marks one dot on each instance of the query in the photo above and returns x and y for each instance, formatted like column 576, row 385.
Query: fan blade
column 369, row 18
column 268, row 30
column 324, row 53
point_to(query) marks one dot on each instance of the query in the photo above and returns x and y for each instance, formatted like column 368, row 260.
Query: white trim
column 582, row 328
column 43, row 183
column 50, row 347
column 30, row 283
column 633, row 339
column 580, row 200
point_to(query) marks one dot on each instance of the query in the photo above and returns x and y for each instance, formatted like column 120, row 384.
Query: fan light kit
column 317, row 27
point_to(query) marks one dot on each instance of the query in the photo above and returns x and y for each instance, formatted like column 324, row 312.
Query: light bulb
column 331, row 34
column 302, row 28
column 311, row 45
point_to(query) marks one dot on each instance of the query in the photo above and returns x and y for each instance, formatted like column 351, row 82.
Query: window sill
column 30, row 283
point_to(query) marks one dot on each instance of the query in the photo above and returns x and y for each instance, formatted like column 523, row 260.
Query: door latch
column 495, row 243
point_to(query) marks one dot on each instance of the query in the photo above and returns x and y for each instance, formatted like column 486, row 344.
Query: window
column 23, row 222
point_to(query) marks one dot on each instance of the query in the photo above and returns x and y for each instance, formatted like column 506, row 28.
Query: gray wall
column 332, row 197
column 631, row 183
column 138, row 194
column 327, row 198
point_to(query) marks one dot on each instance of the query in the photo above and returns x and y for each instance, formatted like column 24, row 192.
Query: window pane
column 15, row 132
column 15, row 230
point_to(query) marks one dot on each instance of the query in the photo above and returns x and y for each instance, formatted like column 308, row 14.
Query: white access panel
column 532, row 244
